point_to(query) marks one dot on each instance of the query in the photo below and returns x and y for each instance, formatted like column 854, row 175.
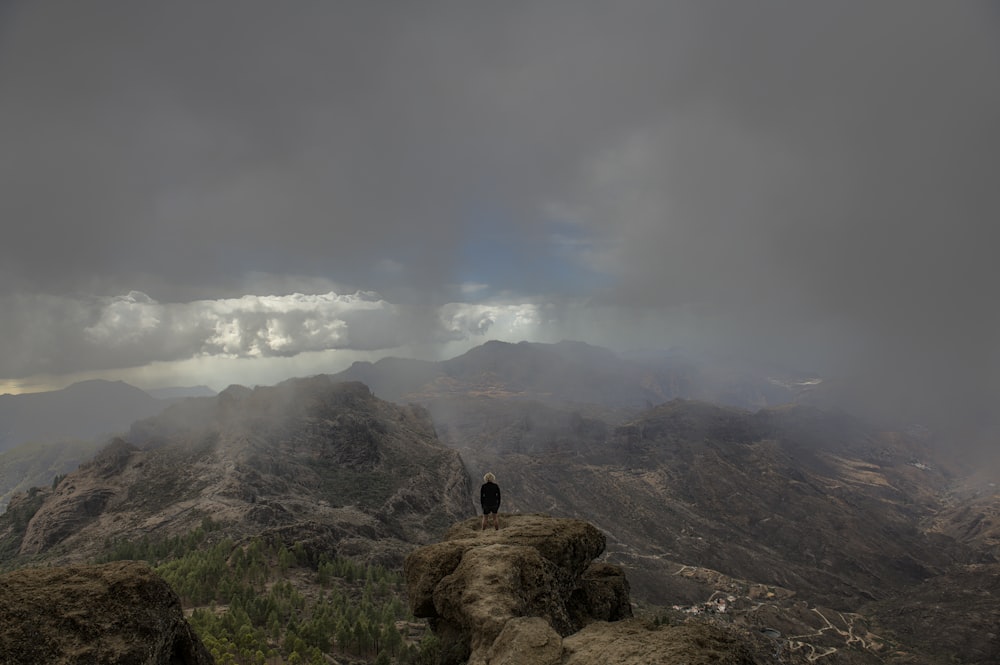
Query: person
column 489, row 498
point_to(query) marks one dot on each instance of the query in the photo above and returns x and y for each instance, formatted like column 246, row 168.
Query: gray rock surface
column 120, row 613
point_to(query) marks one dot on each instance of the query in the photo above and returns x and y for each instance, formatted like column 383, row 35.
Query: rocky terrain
column 43, row 435
column 116, row 613
column 850, row 519
column 48, row 434
column 38, row 464
column 511, row 595
column 792, row 497
column 833, row 540
column 532, row 593
column 309, row 460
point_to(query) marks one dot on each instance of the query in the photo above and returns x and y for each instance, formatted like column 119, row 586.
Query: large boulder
column 511, row 595
column 120, row 613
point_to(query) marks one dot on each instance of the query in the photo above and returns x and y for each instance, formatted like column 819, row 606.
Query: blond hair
column 489, row 477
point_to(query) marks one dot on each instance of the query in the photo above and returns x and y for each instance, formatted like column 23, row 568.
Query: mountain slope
column 38, row 464
column 819, row 514
column 816, row 502
column 308, row 460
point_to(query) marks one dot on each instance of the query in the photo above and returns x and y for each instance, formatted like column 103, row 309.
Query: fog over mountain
column 81, row 412
column 788, row 523
column 245, row 191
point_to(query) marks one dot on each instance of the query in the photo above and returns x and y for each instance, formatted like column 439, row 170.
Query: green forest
column 261, row 602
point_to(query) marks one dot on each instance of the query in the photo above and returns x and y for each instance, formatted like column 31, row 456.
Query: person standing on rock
column 489, row 498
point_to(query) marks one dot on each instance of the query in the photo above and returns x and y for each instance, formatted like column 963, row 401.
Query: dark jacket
column 489, row 495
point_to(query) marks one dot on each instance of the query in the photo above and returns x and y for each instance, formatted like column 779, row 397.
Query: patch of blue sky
column 500, row 255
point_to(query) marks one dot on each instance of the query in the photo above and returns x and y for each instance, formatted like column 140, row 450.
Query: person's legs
column 484, row 521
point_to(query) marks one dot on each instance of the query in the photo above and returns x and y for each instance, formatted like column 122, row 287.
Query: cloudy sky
column 219, row 192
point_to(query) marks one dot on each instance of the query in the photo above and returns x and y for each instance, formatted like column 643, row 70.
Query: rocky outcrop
column 118, row 613
column 511, row 595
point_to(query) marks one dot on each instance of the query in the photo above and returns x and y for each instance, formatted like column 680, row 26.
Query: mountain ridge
column 307, row 454
column 567, row 372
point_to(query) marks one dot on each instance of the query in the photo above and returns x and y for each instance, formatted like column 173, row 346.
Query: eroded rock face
column 511, row 595
column 118, row 613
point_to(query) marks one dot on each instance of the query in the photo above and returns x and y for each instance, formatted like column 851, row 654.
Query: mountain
column 82, row 411
column 43, row 435
column 38, row 464
column 393, row 379
column 574, row 373
column 697, row 496
column 795, row 497
column 862, row 542
column 309, row 460
column 698, row 500
column 180, row 392
column 557, row 604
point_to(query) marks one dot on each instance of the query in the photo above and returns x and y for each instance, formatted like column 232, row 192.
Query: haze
column 209, row 193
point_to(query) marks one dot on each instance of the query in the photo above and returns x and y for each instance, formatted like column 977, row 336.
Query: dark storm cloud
column 829, row 193
column 177, row 147
column 181, row 147
column 812, row 183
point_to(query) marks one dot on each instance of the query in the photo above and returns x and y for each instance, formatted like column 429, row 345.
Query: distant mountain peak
column 96, row 383
column 180, row 392
column 81, row 411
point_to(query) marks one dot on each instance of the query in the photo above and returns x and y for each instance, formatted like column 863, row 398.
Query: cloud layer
column 807, row 183
column 134, row 329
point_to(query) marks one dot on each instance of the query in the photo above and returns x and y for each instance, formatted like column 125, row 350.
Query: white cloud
column 249, row 326
column 135, row 330
column 460, row 321
column 125, row 319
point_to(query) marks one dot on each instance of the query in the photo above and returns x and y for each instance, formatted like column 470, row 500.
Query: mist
column 804, row 185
